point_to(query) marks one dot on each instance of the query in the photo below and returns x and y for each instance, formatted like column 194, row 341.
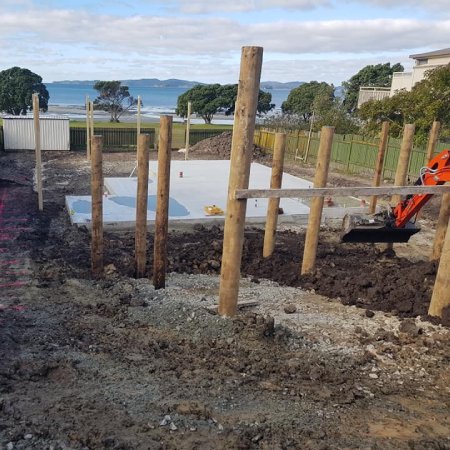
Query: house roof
column 443, row 52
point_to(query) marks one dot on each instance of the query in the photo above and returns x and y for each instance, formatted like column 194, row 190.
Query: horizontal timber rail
column 241, row 194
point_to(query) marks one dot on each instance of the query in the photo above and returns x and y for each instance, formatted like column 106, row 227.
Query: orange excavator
column 394, row 224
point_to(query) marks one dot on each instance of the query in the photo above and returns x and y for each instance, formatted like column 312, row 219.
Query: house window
column 422, row 62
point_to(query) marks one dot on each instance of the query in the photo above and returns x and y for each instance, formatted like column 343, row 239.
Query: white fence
column 19, row 133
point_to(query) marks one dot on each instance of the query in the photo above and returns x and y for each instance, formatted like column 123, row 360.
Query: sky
column 201, row 40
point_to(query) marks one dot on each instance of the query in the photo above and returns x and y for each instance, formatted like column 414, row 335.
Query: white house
column 406, row 80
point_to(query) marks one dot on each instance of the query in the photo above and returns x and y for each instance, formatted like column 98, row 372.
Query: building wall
column 19, row 133
column 401, row 80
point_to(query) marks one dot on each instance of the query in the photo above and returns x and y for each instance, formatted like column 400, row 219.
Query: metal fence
column 350, row 153
column 114, row 139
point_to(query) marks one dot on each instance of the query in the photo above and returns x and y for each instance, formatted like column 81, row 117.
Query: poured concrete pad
column 201, row 183
column 193, row 185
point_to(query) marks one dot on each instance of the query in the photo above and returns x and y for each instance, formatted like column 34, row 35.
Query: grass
column 178, row 129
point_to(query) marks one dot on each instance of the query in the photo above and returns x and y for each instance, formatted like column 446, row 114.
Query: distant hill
column 175, row 83
column 278, row 85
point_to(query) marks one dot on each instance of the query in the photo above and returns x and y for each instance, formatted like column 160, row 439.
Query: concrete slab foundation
column 194, row 185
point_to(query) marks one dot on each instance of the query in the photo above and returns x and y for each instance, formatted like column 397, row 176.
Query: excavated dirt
column 219, row 147
column 114, row 364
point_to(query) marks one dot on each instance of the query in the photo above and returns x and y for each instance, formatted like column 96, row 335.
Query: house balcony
column 367, row 93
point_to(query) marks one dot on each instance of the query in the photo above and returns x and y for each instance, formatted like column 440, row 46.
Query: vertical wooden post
column 441, row 227
column 403, row 159
column 384, row 137
column 91, row 122
column 37, row 145
column 441, row 291
column 315, row 210
column 162, row 203
column 308, row 144
column 401, row 173
column 138, row 121
column 432, row 140
column 240, row 160
column 88, row 128
column 97, row 205
column 188, row 130
column 274, row 203
column 141, row 204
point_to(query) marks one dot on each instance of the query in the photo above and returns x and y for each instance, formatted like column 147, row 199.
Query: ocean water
column 156, row 100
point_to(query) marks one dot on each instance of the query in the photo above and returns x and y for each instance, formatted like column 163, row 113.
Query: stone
column 369, row 313
column 290, row 309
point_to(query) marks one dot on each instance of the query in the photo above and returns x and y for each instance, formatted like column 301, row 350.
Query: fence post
column 143, row 144
column 240, row 160
column 274, row 203
column 441, row 291
column 97, row 205
column 188, row 129
column 315, row 210
column 37, row 144
column 441, row 227
column 432, row 141
column 380, row 162
column 162, row 206
column 88, row 133
column 347, row 168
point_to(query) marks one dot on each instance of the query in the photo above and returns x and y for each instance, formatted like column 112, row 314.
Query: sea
column 155, row 100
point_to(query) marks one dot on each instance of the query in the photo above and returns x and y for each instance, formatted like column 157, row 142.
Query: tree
column 228, row 95
column 209, row 99
column 113, row 98
column 379, row 75
column 330, row 112
column 301, row 99
column 16, row 88
column 427, row 101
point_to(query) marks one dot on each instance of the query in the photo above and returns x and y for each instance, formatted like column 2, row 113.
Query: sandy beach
column 77, row 112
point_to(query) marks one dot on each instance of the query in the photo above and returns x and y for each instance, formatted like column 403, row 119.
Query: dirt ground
column 345, row 358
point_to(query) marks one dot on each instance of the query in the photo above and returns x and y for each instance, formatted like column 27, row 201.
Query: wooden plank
column 242, row 194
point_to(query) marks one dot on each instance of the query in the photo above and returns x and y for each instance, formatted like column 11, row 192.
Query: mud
column 114, row 364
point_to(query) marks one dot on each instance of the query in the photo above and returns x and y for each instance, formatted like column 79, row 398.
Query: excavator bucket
column 367, row 228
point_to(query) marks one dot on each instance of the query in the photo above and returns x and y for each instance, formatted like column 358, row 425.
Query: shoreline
column 78, row 112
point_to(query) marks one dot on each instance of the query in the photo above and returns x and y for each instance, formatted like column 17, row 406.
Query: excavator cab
column 394, row 224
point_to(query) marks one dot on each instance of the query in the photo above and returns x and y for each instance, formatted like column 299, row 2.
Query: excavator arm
column 394, row 225
column 437, row 172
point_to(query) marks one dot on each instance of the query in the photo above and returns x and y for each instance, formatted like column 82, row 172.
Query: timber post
column 162, row 203
column 432, row 140
column 37, row 145
column 440, row 298
column 240, row 160
column 97, row 205
column 141, row 204
column 384, row 137
column 88, row 129
column 188, row 130
column 315, row 210
column 274, row 203
column 441, row 227
column 401, row 173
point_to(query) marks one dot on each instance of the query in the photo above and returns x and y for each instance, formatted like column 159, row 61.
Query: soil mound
column 220, row 147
